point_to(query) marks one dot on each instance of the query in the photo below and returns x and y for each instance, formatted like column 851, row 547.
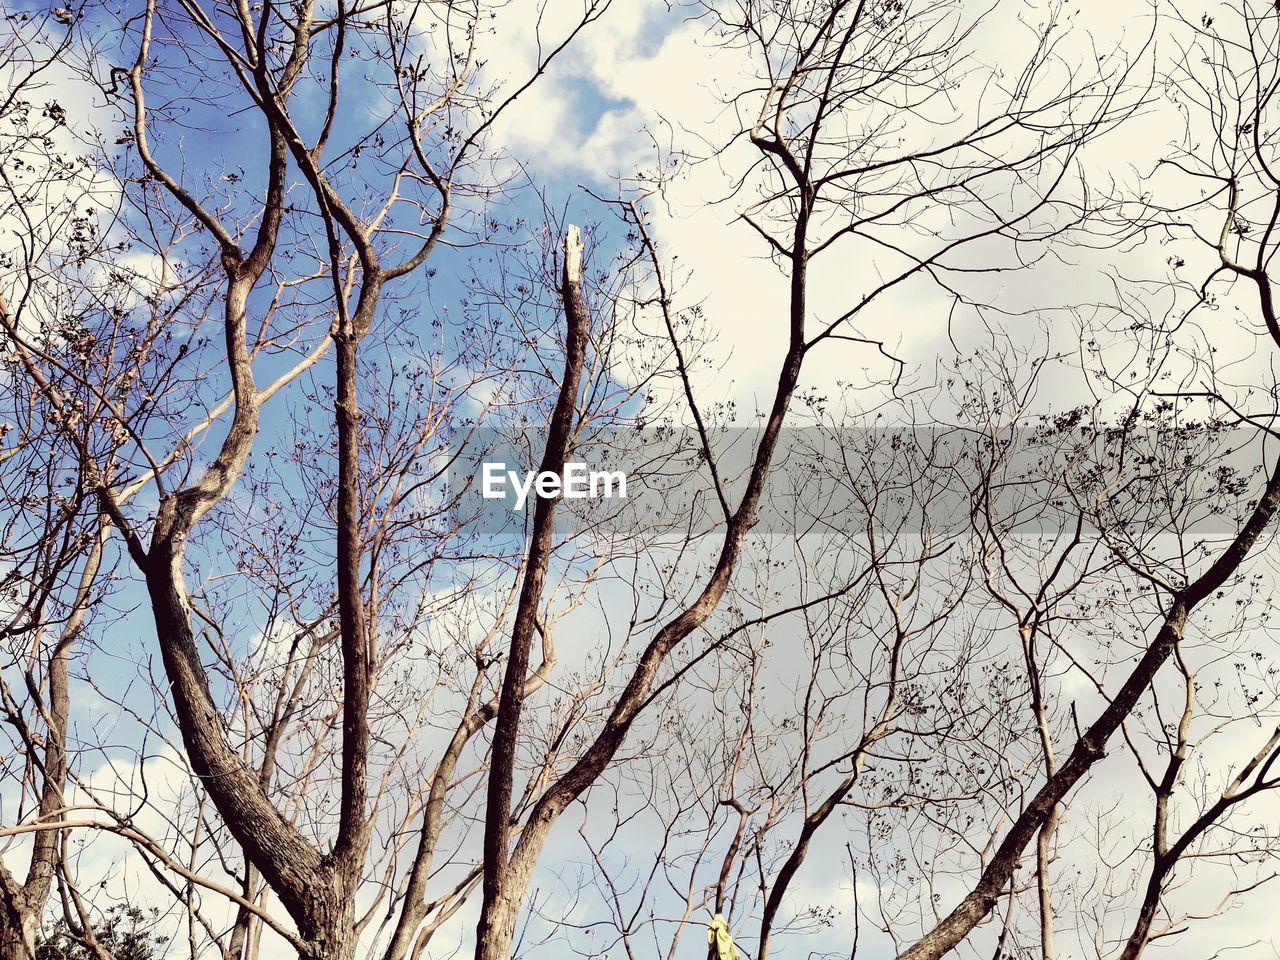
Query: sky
column 645, row 85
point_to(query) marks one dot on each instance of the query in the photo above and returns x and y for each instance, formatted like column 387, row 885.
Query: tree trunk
column 18, row 924
column 329, row 927
column 498, row 928
column 499, row 902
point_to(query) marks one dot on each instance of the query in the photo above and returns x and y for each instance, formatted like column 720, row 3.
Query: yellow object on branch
column 720, row 944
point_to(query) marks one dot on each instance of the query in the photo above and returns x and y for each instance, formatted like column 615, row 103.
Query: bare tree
column 256, row 370
column 822, row 186
column 54, row 537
